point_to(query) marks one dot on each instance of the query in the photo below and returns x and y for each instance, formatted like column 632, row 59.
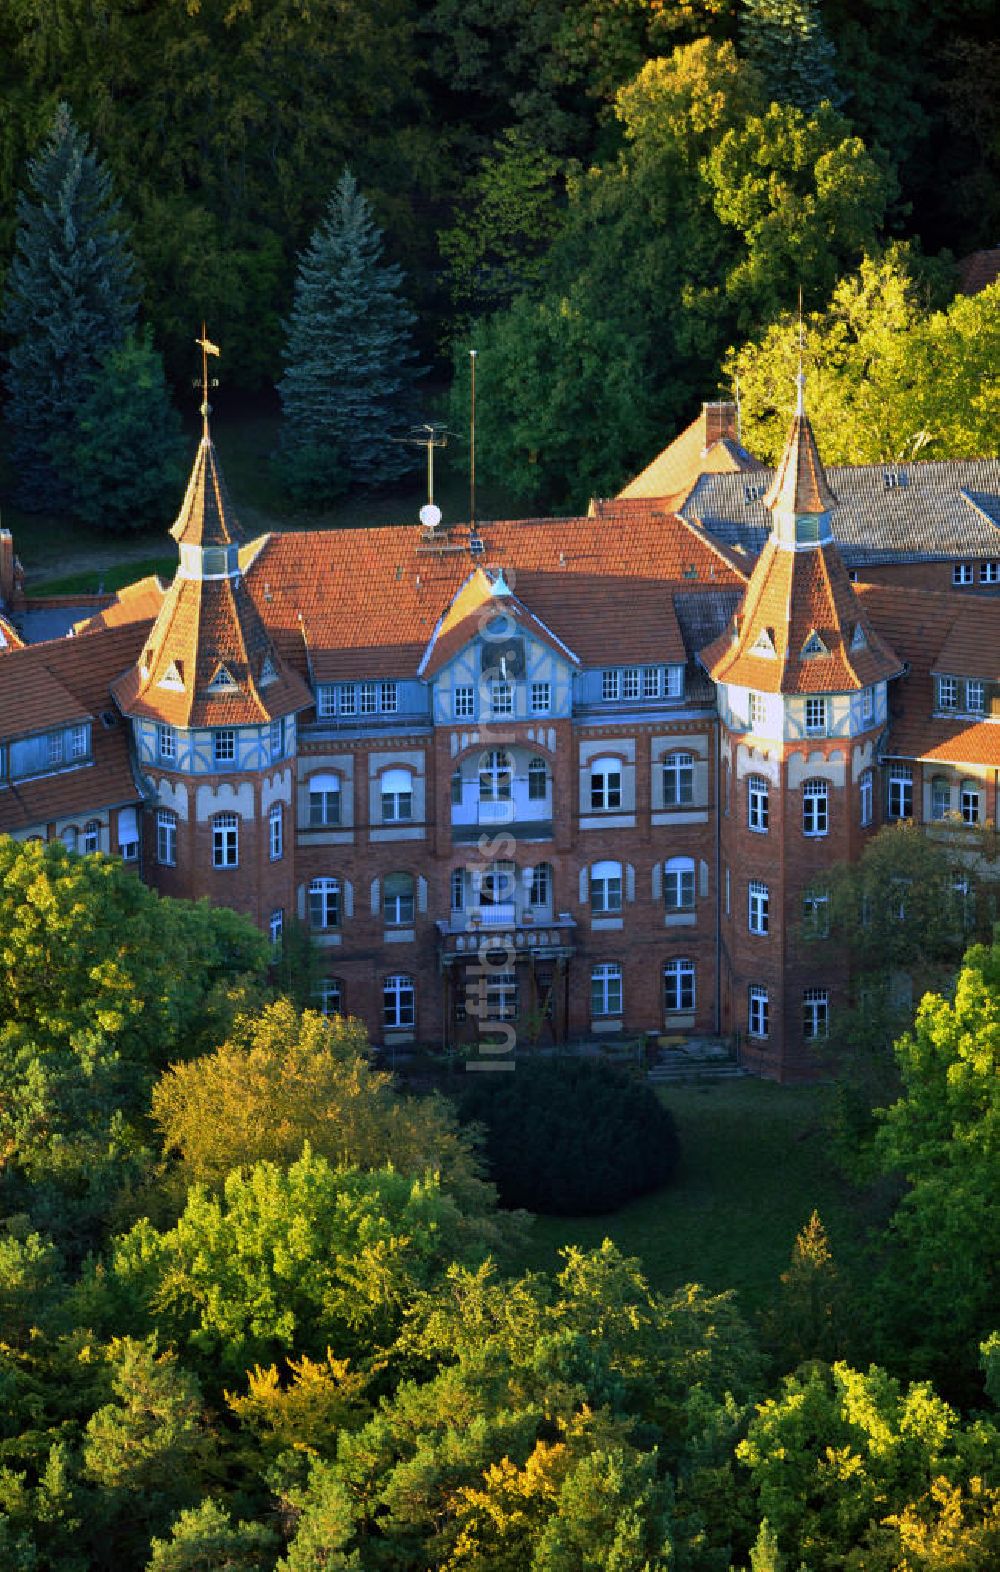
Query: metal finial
column 800, row 406
column 207, row 348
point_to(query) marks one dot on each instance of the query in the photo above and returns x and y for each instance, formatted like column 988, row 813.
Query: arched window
column 324, row 903
column 92, row 835
column 970, row 802
column 330, row 996
column 166, row 838
column 605, row 783
column 866, row 789
column 496, row 774
column 540, row 887
column 940, row 797
column 678, row 780
column 606, row 988
column 276, row 832
column 757, row 803
column 900, row 791
column 538, row 780
column 397, row 795
column 397, row 899
column 496, row 892
column 815, row 807
column 324, row 800
column 815, row 1013
column 398, row 1001
column 678, row 884
column 606, row 887
column 758, row 1012
column 225, row 840
column 678, row 986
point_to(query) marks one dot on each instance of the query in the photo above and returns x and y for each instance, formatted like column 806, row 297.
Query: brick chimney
column 6, row 567
column 719, row 421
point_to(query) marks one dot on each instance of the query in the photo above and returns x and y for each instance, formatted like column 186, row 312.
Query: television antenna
column 429, row 435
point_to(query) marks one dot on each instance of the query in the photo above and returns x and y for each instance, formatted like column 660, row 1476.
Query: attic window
column 894, row 479
column 753, row 493
column 222, row 682
column 267, row 672
column 691, row 571
column 172, row 677
column 476, row 544
column 814, row 646
column 858, row 640
column 764, row 644
column 109, row 720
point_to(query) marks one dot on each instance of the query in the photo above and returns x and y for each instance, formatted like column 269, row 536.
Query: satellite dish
column 430, row 515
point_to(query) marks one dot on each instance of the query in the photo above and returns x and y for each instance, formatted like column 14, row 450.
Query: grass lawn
column 754, row 1164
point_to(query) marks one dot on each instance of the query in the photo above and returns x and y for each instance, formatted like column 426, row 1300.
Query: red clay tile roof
column 792, row 596
column 62, row 682
column 138, row 602
column 695, row 451
column 10, row 639
column 978, row 270
column 800, row 484
column 206, row 517
column 477, row 604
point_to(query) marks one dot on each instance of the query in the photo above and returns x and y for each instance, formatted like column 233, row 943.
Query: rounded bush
column 571, row 1137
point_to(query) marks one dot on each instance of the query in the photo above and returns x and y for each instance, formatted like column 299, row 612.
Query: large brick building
column 579, row 775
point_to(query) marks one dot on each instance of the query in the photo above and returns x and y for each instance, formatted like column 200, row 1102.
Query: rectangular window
column 324, row 903
column 80, row 742
column 457, row 890
column 225, row 840
column 816, row 717
column 541, row 698
column 947, row 693
column 606, row 784
column 347, row 698
column 463, row 703
column 815, row 808
column 868, row 704
column 758, row 710
column 757, row 804
column 606, row 889
column 970, row 803
column 961, row 573
column 867, row 789
column 651, row 682
column 501, row 996
column 758, row 1013
column 540, row 888
column 759, row 907
column 989, row 573
column 55, row 747
column 675, row 681
column 678, row 886
column 606, row 989
column 610, row 686
column 399, row 1002
column 900, row 792
column 276, row 832
column 388, row 697
column 326, row 700
column 678, row 987
column 166, row 838
column 631, row 683
column 815, row 1013
column 502, row 697
column 816, row 914
column 975, row 697
column 368, row 695
column 166, row 742
column 224, row 745
column 940, row 798
column 275, row 926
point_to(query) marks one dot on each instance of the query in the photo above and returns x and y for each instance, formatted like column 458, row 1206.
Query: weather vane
column 207, row 348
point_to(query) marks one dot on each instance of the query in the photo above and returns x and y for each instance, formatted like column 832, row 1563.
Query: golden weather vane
column 207, row 348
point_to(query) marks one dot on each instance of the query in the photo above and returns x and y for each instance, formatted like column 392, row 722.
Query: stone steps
column 695, row 1070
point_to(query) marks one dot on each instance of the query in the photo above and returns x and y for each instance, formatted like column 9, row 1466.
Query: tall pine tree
column 786, row 42
column 71, row 297
column 347, row 391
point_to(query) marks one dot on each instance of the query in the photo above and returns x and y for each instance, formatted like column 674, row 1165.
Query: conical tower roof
column 206, row 517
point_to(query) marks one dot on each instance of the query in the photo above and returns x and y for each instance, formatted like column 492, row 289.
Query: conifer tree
column 786, row 42
column 349, row 361
column 71, row 297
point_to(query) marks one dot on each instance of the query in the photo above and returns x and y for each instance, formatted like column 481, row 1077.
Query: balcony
column 544, row 935
column 523, row 816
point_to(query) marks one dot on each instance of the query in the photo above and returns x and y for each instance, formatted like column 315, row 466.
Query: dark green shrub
column 570, row 1136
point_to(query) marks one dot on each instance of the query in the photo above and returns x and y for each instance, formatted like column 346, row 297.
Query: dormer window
column 814, row 646
column 858, row 639
column 173, row 677
column 763, row 644
column 55, row 747
column 79, row 742
column 975, row 697
column 268, row 674
column 947, row 693
column 223, row 681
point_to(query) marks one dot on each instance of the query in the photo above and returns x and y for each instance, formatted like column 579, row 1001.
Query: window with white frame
column 225, row 840
column 606, row 988
column 947, row 693
column 324, row 903
column 651, row 679
column 396, row 787
column 606, row 888
column 128, row 834
column 678, row 780
column 610, row 686
column 815, row 1013
column 759, row 904
column 463, row 702
column 758, row 710
column 330, row 996
column 166, row 743
column 970, row 802
column 538, row 780
column 79, row 742
column 758, row 1012
column 501, row 696
column 276, row 926
column 497, row 888
column 224, row 745
column 276, row 740
column 397, row 900
column 678, row 986
column 55, row 747
column 816, row 717
column 276, row 832
column 326, row 700
column 501, row 996
column 496, row 776
column 678, row 884
column 631, row 682
column 867, row 703
column 989, row 573
column 975, row 696
column 368, row 695
column 347, row 698
column 900, row 791
column 940, row 797
column 541, row 698
column 961, row 573
column 757, row 803
column 92, row 835
column 866, row 790
column 815, row 807
column 673, row 681
column 398, row 1001
column 816, row 913
column 540, row 888
column 324, row 801
column 456, row 788
column 457, row 889
column 605, row 783
column 166, row 838
column 388, row 697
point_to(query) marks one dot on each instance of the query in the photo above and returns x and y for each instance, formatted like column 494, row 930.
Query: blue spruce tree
column 347, row 391
column 785, row 40
column 71, row 297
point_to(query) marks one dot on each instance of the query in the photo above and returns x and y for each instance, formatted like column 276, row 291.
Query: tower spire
column 800, row 380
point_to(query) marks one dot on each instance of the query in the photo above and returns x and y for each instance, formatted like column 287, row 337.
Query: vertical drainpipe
column 718, row 875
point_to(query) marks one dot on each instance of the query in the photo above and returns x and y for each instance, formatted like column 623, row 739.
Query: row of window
column 815, row 1013
column 965, row 695
column 225, row 837
column 357, row 698
column 223, row 743
column 642, row 682
column 677, row 774
column 962, row 573
column 815, row 909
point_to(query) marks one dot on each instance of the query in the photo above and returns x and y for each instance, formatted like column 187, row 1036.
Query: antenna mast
column 472, row 438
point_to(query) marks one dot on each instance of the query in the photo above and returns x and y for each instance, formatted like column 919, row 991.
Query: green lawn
column 755, row 1162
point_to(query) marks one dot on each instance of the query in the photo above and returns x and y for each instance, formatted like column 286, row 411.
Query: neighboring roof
column 799, row 484
column 924, row 625
column 927, row 511
column 708, row 444
column 138, row 602
column 366, row 602
column 480, row 600
column 978, row 270
column 801, row 629
column 63, row 682
column 206, row 517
